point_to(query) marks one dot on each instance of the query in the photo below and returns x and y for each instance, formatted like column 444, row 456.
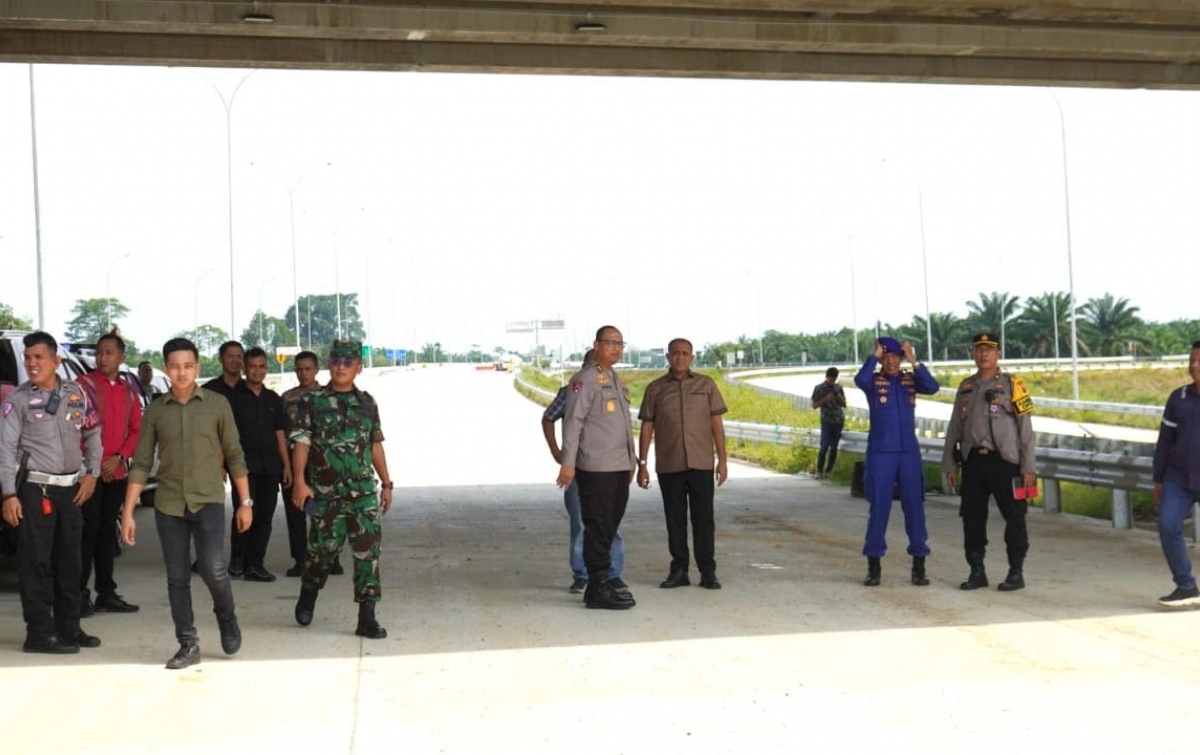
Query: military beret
column 985, row 339
column 345, row 349
column 890, row 345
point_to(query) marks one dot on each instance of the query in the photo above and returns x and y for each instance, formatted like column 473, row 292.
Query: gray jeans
column 207, row 528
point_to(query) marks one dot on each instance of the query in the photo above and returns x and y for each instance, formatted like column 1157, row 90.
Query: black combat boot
column 601, row 594
column 367, row 625
column 305, row 606
column 978, row 577
column 874, row 572
column 918, row 572
column 1015, row 579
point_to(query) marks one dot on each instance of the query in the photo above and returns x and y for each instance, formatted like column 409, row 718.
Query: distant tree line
column 1039, row 327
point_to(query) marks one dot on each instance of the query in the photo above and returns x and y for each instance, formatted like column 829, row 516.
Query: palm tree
column 992, row 313
column 1036, row 326
column 949, row 335
column 1111, row 324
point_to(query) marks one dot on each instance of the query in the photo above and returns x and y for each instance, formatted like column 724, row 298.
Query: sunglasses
column 336, row 362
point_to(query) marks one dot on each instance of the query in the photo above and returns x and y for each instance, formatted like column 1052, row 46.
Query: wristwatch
column 248, row 502
column 641, row 462
column 387, row 485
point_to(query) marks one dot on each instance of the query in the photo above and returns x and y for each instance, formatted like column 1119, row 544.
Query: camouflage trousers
column 355, row 520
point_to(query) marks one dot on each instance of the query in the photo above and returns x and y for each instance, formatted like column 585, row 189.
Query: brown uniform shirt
column 682, row 412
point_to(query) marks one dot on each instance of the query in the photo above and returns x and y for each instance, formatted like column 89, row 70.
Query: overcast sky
column 708, row 209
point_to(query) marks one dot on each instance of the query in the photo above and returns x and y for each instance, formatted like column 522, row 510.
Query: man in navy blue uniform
column 893, row 453
column 1177, row 481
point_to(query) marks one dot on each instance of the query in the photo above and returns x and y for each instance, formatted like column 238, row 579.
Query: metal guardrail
column 1121, row 473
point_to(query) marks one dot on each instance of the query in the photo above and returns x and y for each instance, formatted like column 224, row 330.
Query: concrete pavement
column 488, row 653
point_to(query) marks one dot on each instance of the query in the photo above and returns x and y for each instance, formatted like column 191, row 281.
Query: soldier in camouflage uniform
column 338, row 439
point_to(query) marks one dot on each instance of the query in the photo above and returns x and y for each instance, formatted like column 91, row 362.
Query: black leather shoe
column 676, row 579
column 188, row 655
column 336, row 570
column 51, row 644
column 305, row 606
column 975, row 580
column 84, row 640
column 86, row 608
column 296, row 570
column 710, row 582
column 257, row 574
column 604, row 595
column 367, row 625
column 231, row 635
column 113, row 603
column 1014, row 581
column 236, row 567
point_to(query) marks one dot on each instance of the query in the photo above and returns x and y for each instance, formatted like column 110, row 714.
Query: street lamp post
column 37, row 202
column 337, row 285
column 370, row 320
column 196, row 303
column 260, row 308
column 227, row 103
column 291, row 190
column 925, row 272
column 1062, row 128
column 108, row 291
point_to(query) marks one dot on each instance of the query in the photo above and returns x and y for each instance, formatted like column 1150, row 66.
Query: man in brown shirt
column 681, row 411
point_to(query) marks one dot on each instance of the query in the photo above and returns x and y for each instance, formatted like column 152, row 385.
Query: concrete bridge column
column 1052, row 496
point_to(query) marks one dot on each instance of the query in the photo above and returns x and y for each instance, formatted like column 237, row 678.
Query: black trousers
column 682, row 492
column 249, row 548
column 602, row 498
column 297, row 528
column 99, row 545
column 985, row 475
column 48, row 552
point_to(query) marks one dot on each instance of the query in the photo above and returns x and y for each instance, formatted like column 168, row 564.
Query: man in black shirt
column 261, row 422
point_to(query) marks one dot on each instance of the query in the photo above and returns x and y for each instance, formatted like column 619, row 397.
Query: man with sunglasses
column 338, row 448
column 598, row 451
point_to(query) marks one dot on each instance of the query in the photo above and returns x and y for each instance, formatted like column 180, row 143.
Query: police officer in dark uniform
column 42, row 423
column 991, row 436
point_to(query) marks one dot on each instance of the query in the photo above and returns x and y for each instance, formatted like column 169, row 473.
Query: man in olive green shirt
column 194, row 433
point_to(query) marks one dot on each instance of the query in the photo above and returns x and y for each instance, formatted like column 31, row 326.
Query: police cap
column 985, row 339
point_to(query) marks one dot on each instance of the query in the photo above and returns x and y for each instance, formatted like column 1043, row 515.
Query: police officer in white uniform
column 42, row 423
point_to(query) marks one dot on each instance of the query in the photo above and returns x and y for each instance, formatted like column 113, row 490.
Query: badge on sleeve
column 611, row 406
column 1021, row 400
column 576, row 386
column 7, row 408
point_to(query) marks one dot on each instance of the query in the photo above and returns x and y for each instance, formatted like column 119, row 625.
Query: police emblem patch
column 7, row 408
column 576, row 386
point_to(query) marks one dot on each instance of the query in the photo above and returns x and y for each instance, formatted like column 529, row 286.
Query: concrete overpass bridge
column 1103, row 43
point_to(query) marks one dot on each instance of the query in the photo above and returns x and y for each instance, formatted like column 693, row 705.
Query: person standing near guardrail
column 50, row 450
column 554, row 412
column 991, row 436
column 893, row 453
column 831, row 400
column 1177, row 481
column 597, row 449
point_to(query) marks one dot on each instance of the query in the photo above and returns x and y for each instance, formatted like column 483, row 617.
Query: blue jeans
column 207, row 528
column 831, row 434
column 1173, row 508
column 578, row 568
